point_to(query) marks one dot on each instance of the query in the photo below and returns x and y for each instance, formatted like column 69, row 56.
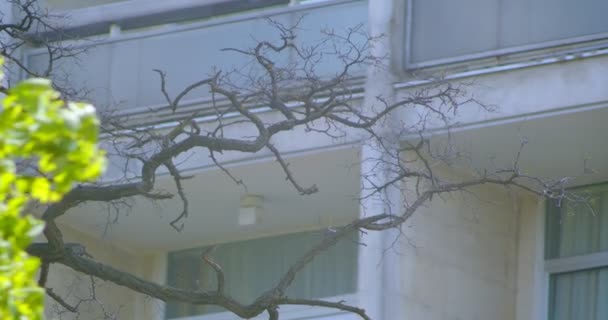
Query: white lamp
column 250, row 209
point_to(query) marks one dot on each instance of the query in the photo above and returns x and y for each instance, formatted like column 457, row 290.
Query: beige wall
column 459, row 259
column 464, row 256
column 110, row 298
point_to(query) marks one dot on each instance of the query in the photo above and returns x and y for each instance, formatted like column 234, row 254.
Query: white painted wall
column 474, row 256
column 522, row 93
column 459, row 257
column 74, row 287
column 116, row 300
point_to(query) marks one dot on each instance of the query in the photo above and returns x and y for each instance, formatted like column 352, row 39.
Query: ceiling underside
column 572, row 145
column 214, row 201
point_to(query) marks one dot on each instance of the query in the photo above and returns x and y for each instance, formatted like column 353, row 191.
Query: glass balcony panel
column 318, row 20
column 444, row 29
column 89, row 75
column 527, row 22
column 118, row 72
column 193, row 55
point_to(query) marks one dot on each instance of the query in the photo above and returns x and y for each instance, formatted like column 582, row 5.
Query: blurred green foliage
column 55, row 144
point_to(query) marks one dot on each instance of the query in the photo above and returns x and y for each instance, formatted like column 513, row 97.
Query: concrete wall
column 115, row 301
column 519, row 93
column 465, row 256
column 531, row 278
column 101, row 298
column 459, row 258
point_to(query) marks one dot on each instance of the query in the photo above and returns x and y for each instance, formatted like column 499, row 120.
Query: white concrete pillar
column 379, row 268
column 157, row 272
column 370, row 275
column 379, row 264
column 392, row 269
column 532, row 279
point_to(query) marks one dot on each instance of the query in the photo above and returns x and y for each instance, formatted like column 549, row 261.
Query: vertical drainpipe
column 378, row 276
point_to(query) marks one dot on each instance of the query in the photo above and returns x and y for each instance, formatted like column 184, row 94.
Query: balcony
column 441, row 32
column 116, row 69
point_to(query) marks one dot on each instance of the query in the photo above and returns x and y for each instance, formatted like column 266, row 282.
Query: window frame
column 569, row 264
column 541, row 49
column 577, row 263
column 288, row 312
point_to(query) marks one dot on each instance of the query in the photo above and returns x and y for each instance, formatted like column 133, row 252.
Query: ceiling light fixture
column 250, row 209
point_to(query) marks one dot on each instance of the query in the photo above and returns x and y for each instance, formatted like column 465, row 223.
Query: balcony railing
column 89, row 17
column 444, row 31
column 117, row 69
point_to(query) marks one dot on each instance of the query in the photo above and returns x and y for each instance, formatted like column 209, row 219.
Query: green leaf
column 60, row 140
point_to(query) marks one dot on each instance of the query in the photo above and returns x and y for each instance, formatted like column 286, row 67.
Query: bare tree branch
column 298, row 96
column 61, row 301
column 218, row 270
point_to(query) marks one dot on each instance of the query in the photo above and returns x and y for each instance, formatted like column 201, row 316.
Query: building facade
column 498, row 254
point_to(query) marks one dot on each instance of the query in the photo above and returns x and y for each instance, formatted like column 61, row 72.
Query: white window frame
column 288, row 312
column 577, row 263
column 584, row 44
column 540, row 304
column 562, row 265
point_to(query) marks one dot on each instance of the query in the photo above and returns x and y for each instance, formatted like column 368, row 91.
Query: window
column 577, row 256
column 444, row 31
column 254, row 266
